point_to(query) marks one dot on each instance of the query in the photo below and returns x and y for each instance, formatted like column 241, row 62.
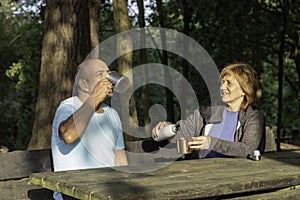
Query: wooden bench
column 16, row 167
column 288, row 135
column 270, row 140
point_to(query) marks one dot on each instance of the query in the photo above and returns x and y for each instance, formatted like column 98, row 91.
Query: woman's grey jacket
column 249, row 136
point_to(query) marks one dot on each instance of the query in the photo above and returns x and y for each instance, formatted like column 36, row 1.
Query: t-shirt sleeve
column 63, row 113
column 118, row 131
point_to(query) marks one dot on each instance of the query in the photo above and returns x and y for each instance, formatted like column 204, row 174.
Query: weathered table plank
column 180, row 180
column 289, row 193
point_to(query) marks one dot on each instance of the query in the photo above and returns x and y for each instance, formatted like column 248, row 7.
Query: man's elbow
column 66, row 135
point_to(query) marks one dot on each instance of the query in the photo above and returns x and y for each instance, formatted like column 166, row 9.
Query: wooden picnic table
column 186, row 179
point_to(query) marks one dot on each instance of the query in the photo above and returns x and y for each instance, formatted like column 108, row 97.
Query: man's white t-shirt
column 96, row 146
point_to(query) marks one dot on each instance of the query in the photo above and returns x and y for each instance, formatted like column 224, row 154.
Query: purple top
column 224, row 130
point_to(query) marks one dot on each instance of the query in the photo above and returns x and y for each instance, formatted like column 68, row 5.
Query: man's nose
column 104, row 75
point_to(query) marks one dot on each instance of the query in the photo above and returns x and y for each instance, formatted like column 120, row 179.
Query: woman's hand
column 200, row 142
column 160, row 125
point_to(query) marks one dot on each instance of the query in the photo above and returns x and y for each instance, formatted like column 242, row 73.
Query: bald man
column 86, row 133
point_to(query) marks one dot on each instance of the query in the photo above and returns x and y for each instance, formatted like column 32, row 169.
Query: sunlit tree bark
column 124, row 44
column 66, row 42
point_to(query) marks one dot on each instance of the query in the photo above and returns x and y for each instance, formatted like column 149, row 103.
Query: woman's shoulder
column 212, row 113
column 252, row 112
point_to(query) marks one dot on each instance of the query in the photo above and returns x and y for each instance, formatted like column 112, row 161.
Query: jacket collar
column 214, row 114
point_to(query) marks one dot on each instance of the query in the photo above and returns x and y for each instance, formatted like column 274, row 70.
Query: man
column 86, row 133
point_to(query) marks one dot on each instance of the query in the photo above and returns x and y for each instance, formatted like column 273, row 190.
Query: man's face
column 94, row 72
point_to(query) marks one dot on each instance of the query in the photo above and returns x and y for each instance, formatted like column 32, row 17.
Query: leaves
column 20, row 39
column 229, row 30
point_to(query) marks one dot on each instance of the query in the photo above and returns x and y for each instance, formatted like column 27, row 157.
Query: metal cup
column 121, row 83
column 183, row 146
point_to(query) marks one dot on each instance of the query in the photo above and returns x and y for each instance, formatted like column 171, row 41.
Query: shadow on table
column 290, row 157
column 132, row 190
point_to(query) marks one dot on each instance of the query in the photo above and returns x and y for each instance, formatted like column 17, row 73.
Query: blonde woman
column 233, row 130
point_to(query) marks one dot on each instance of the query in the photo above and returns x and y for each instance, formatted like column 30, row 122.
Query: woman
column 233, row 130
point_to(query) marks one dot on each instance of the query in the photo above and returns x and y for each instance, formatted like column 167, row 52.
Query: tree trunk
column 94, row 11
column 296, row 56
column 144, row 60
column 281, row 72
column 169, row 94
column 124, row 43
column 186, row 31
column 66, row 42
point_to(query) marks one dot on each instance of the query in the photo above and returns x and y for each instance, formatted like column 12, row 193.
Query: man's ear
column 83, row 85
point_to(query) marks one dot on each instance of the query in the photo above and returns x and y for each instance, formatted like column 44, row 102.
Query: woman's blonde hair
column 247, row 78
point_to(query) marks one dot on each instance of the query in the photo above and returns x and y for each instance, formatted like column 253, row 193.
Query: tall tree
column 186, row 30
column 124, row 44
column 144, row 60
column 281, row 43
column 281, row 51
column 66, row 42
column 164, row 58
column 94, row 12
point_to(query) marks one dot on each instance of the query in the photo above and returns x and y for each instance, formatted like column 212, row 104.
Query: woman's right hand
column 160, row 125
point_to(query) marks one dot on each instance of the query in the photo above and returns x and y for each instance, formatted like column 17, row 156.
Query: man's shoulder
column 108, row 108
column 71, row 101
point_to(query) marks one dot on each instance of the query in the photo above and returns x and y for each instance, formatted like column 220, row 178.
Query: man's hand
column 101, row 90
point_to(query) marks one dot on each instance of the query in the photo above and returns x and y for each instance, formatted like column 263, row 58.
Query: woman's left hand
column 200, row 142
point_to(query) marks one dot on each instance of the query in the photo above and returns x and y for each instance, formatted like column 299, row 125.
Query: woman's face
column 231, row 92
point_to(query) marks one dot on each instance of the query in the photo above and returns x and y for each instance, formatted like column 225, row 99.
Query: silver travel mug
column 121, row 83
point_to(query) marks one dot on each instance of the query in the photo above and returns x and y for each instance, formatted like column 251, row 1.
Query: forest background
column 263, row 33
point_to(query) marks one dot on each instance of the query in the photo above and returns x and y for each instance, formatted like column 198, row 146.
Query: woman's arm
column 252, row 134
column 189, row 127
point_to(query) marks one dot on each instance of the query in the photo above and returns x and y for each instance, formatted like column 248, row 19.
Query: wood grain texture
column 187, row 179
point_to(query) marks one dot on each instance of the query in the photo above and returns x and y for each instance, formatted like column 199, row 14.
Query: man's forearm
column 73, row 128
column 120, row 157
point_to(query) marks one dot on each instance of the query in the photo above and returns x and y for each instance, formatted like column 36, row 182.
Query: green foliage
column 246, row 31
column 242, row 31
column 20, row 39
column 230, row 30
